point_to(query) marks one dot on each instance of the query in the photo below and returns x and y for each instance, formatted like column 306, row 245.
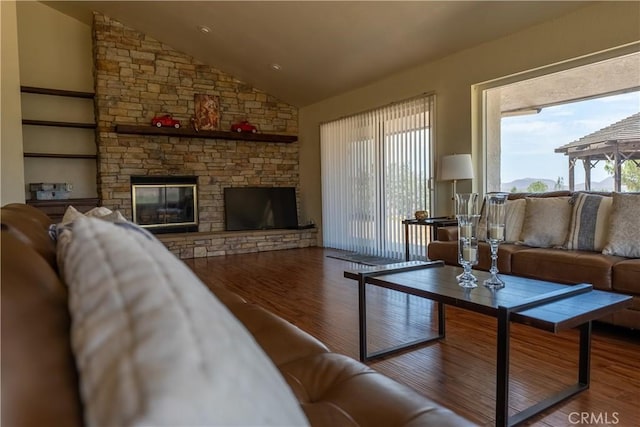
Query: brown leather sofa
column 604, row 272
column 40, row 380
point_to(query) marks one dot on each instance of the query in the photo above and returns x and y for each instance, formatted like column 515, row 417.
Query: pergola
column 617, row 143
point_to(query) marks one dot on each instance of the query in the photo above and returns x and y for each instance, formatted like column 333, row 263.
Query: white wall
column 588, row 30
column 12, row 174
column 55, row 51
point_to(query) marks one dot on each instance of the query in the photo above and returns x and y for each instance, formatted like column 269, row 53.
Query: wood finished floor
column 308, row 289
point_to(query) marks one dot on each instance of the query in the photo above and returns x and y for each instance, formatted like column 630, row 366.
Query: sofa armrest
column 448, row 234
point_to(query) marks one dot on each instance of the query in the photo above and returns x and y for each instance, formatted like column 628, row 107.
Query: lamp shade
column 455, row 167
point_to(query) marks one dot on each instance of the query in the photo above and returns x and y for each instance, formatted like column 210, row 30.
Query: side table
column 433, row 223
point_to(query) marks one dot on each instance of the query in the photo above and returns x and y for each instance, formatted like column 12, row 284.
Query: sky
column 534, row 137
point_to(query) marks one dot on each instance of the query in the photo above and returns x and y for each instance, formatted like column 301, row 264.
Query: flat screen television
column 260, row 208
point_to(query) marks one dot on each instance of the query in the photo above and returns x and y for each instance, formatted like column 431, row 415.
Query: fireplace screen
column 165, row 207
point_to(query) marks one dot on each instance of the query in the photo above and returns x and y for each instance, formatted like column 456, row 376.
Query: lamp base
column 453, row 199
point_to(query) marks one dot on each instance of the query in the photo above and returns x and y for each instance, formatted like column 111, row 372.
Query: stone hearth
column 199, row 245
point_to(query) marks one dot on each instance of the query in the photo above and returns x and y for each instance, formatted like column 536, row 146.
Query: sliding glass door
column 376, row 168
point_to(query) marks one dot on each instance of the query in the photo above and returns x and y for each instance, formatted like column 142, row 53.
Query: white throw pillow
column 71, row 214
column 62, row 233
column 154, row 346
column 514, row 213
column 546, row 221
column 624, row 228
column 514, row 218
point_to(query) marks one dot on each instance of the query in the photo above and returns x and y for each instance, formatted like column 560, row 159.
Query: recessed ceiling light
column 204, row 29
column 276, row 67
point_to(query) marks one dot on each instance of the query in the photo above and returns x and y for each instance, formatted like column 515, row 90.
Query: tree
column 630, row 174
column 401, row 198
column 537, row 187
column 364, row 192
column 559, row 183
column 514, row 189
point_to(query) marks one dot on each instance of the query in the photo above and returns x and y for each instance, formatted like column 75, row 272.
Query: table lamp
column 455, row 167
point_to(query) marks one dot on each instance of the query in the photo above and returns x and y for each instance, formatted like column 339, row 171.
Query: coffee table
column 543, row 305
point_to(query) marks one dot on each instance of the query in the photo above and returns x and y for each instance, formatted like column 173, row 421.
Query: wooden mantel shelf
column 207, row 134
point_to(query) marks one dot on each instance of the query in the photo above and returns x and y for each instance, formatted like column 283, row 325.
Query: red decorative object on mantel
column 166, row 120
column 243, row 126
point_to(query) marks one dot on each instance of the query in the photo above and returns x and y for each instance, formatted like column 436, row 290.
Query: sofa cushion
column 624, row 231
column 155, row 347
column 448, row 252
column 626, row 276
column 590, row 218
column 327, row 414
column 34, row 214
column 546, row 222
column 281, row 340
column 368, row 397
column 21, row 225
column 629, row 318
column 448, row 233
column 558, row 265
column 557, row 193
column 39, row 379
column 505, row 256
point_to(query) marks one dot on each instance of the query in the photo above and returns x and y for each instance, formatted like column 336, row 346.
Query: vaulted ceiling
column 323, row 48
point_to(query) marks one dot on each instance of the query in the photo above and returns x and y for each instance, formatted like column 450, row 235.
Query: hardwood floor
column 308, row 289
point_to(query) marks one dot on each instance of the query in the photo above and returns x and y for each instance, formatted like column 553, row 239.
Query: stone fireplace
column 165, row 204
column 138, row 78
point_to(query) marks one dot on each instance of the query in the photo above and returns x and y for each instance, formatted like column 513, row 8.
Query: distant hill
column 522, row 184
column 606, row 184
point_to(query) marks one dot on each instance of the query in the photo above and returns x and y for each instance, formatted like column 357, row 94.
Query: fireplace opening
column 165, row 204
column 260, row 208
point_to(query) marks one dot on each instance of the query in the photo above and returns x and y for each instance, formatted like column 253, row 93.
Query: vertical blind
column 376, row 168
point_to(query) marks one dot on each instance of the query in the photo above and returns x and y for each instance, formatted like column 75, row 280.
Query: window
column 574, row 146
column 565, row 130
column 376, row 168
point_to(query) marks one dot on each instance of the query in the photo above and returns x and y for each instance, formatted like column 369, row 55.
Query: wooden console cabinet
column 56, row 208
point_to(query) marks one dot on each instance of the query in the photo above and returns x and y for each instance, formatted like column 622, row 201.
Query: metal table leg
column 502, row 375
column 362, row 320
column 406, row 241
column 502, row 368
column 362, row 317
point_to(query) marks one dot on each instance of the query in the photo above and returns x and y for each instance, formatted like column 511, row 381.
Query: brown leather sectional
column 604, row 272
column 40, row 381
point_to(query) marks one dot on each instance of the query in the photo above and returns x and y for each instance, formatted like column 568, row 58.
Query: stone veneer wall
column 199, row 245
column 138, row 77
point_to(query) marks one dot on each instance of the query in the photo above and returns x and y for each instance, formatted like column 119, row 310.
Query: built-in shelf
column 56, row 92
column 207, row 134
column 56, row 208
column 61, row 156
column 59, row 124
